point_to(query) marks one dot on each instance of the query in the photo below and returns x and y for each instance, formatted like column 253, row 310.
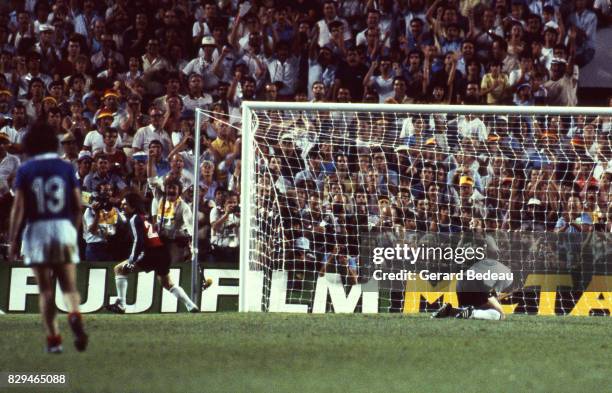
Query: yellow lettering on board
column 415, row 289
column 597, row 296
column 509, row 308
column 548, row 283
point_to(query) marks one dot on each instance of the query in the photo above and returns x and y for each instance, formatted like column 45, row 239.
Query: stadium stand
column 120, row 80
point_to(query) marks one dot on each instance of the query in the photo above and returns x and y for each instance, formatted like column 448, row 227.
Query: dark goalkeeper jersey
column 145, row 238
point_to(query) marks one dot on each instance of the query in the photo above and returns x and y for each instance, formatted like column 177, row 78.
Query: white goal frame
column 248, row 176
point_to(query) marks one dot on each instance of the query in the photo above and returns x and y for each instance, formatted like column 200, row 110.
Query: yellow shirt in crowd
column 497, row 95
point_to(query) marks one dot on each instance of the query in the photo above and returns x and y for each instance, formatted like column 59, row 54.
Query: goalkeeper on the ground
column 478, row 298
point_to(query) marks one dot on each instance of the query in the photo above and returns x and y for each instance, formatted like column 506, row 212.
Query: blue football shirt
column 47, row 183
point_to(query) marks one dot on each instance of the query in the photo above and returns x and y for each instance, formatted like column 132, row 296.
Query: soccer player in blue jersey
column 148, row 253
column 48, row 205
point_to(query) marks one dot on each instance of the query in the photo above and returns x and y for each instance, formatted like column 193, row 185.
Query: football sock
column 53, row 341
column 75, row 314
column 122, row 283
column 490, row 314
column 182, row 296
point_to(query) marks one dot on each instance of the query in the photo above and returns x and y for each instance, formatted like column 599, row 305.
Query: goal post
column 506, row 173
column 195, row 249
column 246, row 201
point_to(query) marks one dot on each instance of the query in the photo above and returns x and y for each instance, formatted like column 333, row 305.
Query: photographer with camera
column 100, row 223
column 225, row 227
column 172, row 216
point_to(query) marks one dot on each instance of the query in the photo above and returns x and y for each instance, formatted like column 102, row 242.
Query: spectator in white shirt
column 8, row 166
column 8, row 170
column 283, row 69
column 523, row 74
column 94, row 140
column 195, row 97
column 471, row 126
column 383, row 82
column 153, row 131
column 373, row 23
column 206, row 64
column 17, row 130
column 33, row 61
column 562, row 84
column 225, row 223
column 330, row 15
column 152, row 60
column 203, row 25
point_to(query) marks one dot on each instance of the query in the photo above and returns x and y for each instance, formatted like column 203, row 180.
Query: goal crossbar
column 249, row 106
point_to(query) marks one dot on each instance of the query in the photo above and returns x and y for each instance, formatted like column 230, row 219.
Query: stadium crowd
column 120, row 80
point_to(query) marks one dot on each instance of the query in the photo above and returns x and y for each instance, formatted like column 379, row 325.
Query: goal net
column 370, row 208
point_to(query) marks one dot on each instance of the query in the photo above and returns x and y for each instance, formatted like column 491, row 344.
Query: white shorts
column 50, row 242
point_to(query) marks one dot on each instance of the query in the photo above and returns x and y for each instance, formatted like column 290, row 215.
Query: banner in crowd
column 548, row 294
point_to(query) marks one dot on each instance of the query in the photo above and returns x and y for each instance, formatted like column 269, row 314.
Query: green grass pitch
column 231, row 352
